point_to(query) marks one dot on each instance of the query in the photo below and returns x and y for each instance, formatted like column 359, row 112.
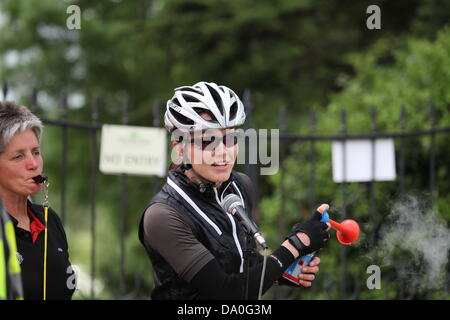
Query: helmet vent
column 217, row 98
column 201, row 111
column 233, row 110
column 180, row 118
column 190, row 98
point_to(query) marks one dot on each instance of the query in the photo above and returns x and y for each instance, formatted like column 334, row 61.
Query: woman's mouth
column 221, row 166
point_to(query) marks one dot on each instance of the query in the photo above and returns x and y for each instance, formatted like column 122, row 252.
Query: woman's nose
column 223, row 152
column 220, row 150
column 32, row 163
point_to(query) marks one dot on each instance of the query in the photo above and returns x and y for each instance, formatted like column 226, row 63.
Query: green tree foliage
column 415, row 79
column 298, row 54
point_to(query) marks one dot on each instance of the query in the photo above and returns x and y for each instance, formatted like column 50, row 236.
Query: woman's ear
column 176, row 153
column 178, row 148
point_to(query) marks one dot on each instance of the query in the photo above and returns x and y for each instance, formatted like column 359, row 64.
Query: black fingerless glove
column 315, row 231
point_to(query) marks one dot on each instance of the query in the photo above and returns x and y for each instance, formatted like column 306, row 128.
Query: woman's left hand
column 308, row 272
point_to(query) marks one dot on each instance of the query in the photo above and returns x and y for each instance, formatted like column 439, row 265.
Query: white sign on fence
column 358, row 160
column 133, row 150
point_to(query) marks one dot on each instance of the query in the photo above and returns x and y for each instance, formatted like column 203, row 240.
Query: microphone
column 233, row 205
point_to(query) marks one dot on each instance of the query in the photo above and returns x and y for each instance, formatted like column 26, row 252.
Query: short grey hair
column 15, row 118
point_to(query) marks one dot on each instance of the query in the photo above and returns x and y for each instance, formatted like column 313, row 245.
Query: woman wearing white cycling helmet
column 195, row 247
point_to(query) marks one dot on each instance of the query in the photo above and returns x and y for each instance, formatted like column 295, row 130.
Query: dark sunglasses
column 211, row 142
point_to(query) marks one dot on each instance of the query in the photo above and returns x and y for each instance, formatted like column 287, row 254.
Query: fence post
column 94, row 121
column 5, row 90
column 312, row 176
column 343, row 249
column 250, row 169
column 282, row 214
column 63, row 157
column 372, row 211
column 156, row 122
column 123, row 208
column 33, row 102
column 312, row 184
column 402, row 151
column 33, row 108
column 432, row 155
column 283, row 129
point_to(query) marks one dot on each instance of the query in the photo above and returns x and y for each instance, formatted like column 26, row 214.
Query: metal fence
column 375, row 218
column 287, row 140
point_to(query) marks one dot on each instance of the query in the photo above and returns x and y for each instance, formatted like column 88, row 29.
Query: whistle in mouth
column 40, row 178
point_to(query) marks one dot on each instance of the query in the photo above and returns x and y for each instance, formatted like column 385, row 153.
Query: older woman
column 20, row 162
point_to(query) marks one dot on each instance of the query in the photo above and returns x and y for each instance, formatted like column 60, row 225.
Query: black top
column 61, row 280
column 196, row 248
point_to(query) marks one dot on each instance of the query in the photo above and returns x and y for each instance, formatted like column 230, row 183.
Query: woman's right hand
column 312, row 233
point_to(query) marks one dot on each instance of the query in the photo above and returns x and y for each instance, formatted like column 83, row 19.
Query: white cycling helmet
column 219, row 102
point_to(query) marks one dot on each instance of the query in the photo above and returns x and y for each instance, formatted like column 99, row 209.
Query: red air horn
column 347, row 231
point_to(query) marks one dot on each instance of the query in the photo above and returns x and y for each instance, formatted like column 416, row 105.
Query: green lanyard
column 9, row 266
column 3, row 275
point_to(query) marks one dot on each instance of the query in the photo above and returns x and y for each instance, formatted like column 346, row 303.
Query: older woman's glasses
column 211, row 142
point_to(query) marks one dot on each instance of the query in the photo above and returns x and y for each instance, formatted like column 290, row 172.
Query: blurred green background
column 299, row 55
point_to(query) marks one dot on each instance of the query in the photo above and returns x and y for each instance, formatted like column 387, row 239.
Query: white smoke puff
column 422, row 238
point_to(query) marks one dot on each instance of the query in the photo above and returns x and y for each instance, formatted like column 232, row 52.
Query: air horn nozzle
column 347, row 231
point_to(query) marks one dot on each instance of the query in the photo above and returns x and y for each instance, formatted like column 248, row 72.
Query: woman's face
column 213, row 153
column 19, row 163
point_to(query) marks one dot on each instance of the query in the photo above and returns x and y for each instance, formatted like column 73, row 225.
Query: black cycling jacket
column 218, row 231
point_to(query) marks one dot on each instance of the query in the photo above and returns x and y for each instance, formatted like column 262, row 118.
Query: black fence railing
column 400, row 137
column 287, row 140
